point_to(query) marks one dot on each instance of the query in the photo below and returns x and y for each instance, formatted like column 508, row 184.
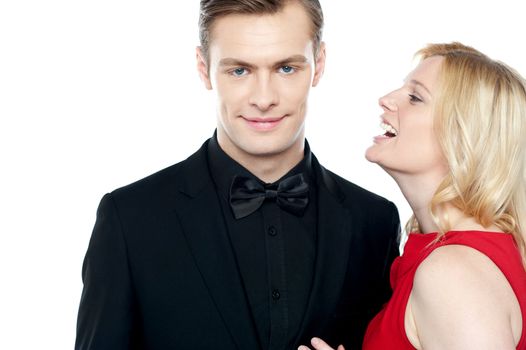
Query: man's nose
column 264, row 94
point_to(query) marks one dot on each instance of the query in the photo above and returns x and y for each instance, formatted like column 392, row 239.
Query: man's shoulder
column 159, row 180
column 354, row 194
column 369, row 212
column 163, row 183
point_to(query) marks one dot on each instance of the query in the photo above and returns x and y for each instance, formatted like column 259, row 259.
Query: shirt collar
column 223, row 168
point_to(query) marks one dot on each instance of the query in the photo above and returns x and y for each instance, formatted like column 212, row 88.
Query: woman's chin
column 374, row 157
column 371, row 154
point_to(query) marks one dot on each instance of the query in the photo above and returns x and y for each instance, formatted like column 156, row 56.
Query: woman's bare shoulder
column 461, row 300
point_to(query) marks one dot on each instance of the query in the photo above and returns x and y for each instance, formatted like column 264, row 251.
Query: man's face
column 262, row 67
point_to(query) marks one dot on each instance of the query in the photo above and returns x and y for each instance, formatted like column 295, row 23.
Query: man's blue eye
column 239, row 72
column 286, row 69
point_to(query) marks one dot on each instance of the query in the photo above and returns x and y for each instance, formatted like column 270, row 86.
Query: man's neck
column 268, row 168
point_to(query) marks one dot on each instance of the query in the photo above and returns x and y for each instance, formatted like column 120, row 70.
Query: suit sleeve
column 106, row 314
column 393, row 249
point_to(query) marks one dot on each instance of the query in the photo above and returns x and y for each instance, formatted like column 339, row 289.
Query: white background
column 97, row 94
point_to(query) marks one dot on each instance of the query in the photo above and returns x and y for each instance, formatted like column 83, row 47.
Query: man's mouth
column 389, row 130
column 263, row 120
column 264, row 123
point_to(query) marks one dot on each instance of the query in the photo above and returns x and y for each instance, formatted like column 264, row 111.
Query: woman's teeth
column 390, row 131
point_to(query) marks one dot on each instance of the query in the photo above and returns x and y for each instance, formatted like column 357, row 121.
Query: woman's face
column 408, row 144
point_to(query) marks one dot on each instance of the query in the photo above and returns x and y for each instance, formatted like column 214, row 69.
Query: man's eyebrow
column 234, row 62
column 228, row 61
column 292, row 59
column 416, row 82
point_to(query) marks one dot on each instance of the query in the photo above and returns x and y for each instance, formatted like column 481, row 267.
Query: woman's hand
column 319, row 344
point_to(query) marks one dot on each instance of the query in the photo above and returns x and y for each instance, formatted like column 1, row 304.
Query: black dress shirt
column 275, row 251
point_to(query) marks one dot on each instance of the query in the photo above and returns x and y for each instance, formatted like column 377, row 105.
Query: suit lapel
column 332, row 254
column 203, row 225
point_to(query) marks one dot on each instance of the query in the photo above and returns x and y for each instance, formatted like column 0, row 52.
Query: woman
column 455, row 143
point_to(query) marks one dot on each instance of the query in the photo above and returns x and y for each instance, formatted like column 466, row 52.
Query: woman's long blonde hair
column 480, row 122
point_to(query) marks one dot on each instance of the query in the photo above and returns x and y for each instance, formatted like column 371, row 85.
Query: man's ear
column 202, row 68
column 319, row 66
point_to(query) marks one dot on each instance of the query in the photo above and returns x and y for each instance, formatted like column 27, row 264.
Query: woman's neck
column 419, row 191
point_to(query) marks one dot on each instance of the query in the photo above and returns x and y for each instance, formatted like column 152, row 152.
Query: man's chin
column 264, row 152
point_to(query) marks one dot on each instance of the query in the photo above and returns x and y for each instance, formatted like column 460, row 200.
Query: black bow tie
column 248, row 194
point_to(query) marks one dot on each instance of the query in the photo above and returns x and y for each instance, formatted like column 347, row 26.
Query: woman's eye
column 414, row 98
column 286, row 69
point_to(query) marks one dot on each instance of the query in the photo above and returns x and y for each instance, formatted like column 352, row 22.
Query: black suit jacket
column 160, row 272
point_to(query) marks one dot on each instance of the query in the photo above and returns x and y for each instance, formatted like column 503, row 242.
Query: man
column 249, row 243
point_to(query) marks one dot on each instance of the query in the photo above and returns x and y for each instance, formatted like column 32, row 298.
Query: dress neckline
column 418, row 244
column 453, row 231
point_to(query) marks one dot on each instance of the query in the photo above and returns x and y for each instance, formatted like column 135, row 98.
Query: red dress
column 387, row 331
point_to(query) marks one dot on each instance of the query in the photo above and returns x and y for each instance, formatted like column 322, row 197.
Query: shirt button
column 275, row 294
column 272, row 231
